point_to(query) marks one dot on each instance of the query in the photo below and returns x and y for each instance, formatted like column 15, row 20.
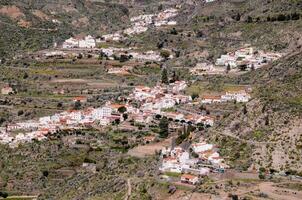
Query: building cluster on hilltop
column 236, row 94
column 80, row 42
column 139, row 24
column 155, row 100
column 247, row 58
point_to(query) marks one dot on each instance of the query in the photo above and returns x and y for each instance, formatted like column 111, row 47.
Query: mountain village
column 119, row 99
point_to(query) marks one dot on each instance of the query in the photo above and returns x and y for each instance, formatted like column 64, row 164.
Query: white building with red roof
column 190, row 179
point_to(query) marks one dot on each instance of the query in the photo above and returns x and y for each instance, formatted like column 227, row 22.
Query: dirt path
column 229, row 134
column 129, row 189
column 149, row 149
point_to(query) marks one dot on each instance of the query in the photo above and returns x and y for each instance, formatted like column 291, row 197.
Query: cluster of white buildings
column 149, row 103
column 238, row 95
column 110, row 52
column 22, row 132
column 154, row 101
column 208, row 1
column 148, row 55
column 141, row 23
column 112, row 37
column 247, row 57
column 189, row 118
column 205, row 159
column 85, row 42
column 160, row 97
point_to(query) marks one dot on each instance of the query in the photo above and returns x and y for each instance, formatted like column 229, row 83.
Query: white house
column 101, row 112
column 71, row 43
column 87, row 42
column 208, row 99
column 202, row 147
column 171, row 165
column 178, row 86
column 7, row 90
column 190, row 179
column 240, row 95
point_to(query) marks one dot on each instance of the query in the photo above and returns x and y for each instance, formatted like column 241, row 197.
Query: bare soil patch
column 41, row 15
column 12, row 11
column 149, row 149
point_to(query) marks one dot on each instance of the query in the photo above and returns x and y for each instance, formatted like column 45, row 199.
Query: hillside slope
column 270, row 125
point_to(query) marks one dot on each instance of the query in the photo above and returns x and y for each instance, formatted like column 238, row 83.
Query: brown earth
column 41, row 15
column 149, row 149
column 12, row 11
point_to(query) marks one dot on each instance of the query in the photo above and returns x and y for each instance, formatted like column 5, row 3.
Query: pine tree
column 164, row 127
column 164, row 76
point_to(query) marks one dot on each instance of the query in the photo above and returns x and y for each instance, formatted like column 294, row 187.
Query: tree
column 77, row 105
column 125, row 116
column 281, row 17
column 268, row 19
column 124, row 58
column 237, row 18
column 262, row 173
column 244, row 110
column 160, row 45
column 194, row 96
column 60, row 105
column 253, row 67
column 165, row 54
column 164, row 76
column 25, row 76
column 122, row 109
column 173, row 31
column 199, row 34
column 242, row 67
column 157, row 116
column 80, row 56
column 160, row 7
column 228, row 68
column 164, row 127
column 45, row 173
column 20, row 112
column 3, row 194
column 249, row 19
column 175, row 77
column 295, row 16
column 116, row 122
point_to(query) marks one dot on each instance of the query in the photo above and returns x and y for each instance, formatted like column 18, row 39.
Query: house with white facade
column 201, row 147
column 190, row 179
column 208, row 99
column 239, row 95
column 70, row 43
column 88, row 42
column 6, row 90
